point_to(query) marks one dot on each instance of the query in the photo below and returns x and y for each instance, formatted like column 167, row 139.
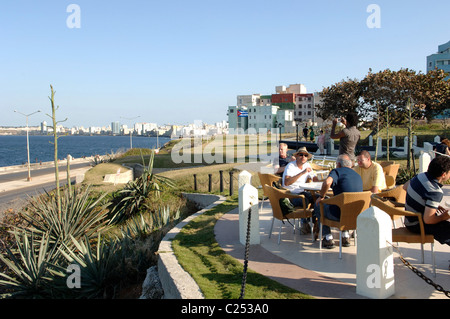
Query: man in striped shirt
column 424, row 194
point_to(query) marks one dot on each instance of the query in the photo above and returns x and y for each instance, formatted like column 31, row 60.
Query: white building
column 248, row 100
column 292, row 88
column 262, row 117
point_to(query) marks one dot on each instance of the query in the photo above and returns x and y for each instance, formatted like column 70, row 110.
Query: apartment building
column 441, row 59
column 284, row 109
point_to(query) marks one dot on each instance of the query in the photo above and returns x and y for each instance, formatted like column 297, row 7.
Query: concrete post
column 394, row 142
column 424, row 161
column 437, row 139
column 248, row 199
column 244, row 178
column 427, row 146
column 380, row 146
column 370, row 140
column 374, row 259
column 332, row 150
column 405, row 145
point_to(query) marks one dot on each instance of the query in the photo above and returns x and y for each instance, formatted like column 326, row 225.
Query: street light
column 28, row 142
column 131, row 132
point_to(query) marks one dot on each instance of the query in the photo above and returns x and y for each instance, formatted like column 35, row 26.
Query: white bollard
column 394, row 142
column 374, row 259
column 424, row 162
column 405, row 145
column 370, row 140
column 248, row 199
column 437, row 139
column 244, row 178
column 380, row 146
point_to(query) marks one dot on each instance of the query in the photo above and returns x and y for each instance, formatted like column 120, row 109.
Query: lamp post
column 131, row 131
column 278, row 125
column 28, row 142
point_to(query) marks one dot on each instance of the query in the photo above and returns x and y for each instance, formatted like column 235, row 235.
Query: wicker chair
column 351, row 205
column 266, row 179
column 275, row 195
column 397, row 196
column 403, row 234
column 390, row 174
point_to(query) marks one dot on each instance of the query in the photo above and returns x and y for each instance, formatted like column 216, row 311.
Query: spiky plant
column 128, row 201
column 32, row 267
column 78, row 216
column 97, row 261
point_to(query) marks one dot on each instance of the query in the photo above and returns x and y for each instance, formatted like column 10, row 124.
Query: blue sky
column 180, row 61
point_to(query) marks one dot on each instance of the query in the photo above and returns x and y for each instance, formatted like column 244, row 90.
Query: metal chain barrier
column 420, row 274
column 247, row 246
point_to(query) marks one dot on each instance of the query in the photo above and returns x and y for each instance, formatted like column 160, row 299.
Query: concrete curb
column 176, row 282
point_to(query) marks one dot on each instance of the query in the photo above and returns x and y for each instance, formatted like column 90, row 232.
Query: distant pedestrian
column 305, row 132
column 311, row 134
column 321, row 142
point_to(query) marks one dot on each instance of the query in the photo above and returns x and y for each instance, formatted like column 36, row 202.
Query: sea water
column 13, row 148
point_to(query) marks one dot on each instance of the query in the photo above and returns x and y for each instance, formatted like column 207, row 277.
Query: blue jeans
column 298, row 202
column 330, row 214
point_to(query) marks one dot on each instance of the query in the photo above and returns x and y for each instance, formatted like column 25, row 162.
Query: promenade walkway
column 298, row 263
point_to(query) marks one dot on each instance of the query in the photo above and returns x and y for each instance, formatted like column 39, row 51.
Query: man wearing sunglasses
column 297, row 173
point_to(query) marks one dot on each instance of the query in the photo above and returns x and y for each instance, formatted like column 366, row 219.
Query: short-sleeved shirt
column 441, row 148
column 423, row 191
column 282, row 161
column 345, row 179
column 372, row 176
column 292, row 170
column 348, row 142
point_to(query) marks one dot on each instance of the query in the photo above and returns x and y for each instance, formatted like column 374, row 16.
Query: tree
column 340, row 99
column 389, row 97
column 55, row 142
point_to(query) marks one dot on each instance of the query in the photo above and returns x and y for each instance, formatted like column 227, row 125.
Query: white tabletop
column 313, row 186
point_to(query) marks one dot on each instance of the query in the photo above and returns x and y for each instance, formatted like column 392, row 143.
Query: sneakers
column 327, row 243
column 305, row 228
column 345, row 242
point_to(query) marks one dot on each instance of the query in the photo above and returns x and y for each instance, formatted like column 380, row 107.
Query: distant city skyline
column 180, row 61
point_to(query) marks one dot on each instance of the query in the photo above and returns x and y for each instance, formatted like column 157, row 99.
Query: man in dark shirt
column 282, row 160
column 341, row 179
column 424, row 194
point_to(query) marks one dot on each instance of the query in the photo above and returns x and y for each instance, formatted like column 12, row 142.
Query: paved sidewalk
column 39, row 180
column 299, row 264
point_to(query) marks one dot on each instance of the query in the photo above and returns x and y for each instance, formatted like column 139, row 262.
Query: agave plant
column 32, row 267
column 133, row 196
column 80, row 215
column 96, row 265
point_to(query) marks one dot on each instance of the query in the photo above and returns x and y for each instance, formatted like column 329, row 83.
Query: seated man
column 423, row 195
column 297, row 173
column 282, row 160
column 341, row 179
column 371, row 173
